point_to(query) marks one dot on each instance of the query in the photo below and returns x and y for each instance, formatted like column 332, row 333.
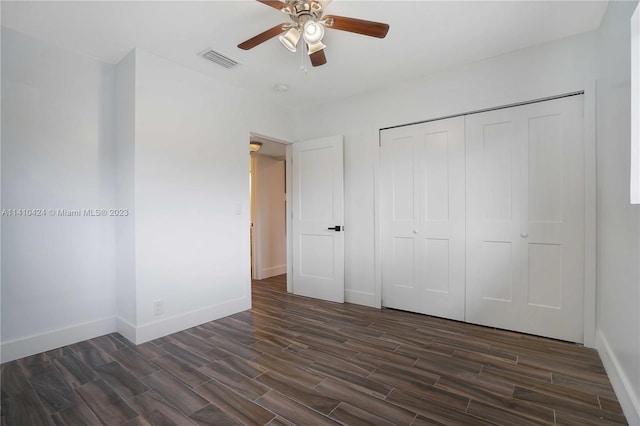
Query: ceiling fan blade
column 262, row 37
column 359, row 26
column 273, row 3
column 318, row 58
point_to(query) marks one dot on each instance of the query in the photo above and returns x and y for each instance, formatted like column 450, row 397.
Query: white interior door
column 525, row 218
column 317, row 187
column 423, row 218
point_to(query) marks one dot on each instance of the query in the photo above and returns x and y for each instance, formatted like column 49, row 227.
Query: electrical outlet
column 158, row 307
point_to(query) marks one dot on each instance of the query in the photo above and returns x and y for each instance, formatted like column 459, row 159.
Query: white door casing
column 423, row 218
column 526, row 217
column 317, row 205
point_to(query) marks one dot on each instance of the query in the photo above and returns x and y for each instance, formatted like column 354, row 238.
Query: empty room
column 306, row 212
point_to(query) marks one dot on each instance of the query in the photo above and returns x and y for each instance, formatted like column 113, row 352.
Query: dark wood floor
column 292, row 360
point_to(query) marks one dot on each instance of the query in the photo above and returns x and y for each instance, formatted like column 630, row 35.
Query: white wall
column 125, row 194
column 546, row 70
column 167, row 143
column 269, row 223
column 58, row 273
column 192, row 194
column 618, row 296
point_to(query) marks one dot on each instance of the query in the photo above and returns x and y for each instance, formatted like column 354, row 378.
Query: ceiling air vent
column 218, row 58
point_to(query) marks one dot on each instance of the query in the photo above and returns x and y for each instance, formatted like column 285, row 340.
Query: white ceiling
column 424, row 37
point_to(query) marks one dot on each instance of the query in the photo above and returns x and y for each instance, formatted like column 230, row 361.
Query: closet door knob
column 524, row 235
column 415, row 231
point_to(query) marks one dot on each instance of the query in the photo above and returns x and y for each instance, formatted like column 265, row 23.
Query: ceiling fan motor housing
column 302, row 10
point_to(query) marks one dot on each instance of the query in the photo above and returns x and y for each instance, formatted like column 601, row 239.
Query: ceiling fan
column 309, row 24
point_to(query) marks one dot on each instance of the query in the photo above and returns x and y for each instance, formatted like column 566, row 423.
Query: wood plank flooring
column 293, row 360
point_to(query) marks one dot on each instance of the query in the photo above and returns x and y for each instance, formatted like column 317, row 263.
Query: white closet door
column 423, row 218
column 525, row 218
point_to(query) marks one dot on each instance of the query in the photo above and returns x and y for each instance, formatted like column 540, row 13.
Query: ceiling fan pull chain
column 302, row 52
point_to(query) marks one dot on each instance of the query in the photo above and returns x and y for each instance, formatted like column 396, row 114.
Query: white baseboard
column 273, row 271
column 20, row 348
column 166, row 326
column 26, row 346
column 360, row 298
column 126, row 329
column 619, row 380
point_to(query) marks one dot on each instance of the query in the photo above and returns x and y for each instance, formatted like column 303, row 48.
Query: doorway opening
column 268, row 207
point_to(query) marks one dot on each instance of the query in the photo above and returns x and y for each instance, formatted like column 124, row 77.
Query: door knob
column 415, row 231
column 524, row 235
column 336, row 228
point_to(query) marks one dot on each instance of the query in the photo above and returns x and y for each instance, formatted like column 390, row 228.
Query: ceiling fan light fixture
column 313, row 32
column 315, row 47
column 290, row 39
column 255, row 146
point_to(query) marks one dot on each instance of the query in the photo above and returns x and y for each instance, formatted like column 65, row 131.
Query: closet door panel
column 435, row 266
column 553, row 216
column 441, row 166
column 401, row 245
column 545, row 229
column 493, row 250
column 436, row 163
column 402, row 176
column 496, row 169
column 435, row 175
